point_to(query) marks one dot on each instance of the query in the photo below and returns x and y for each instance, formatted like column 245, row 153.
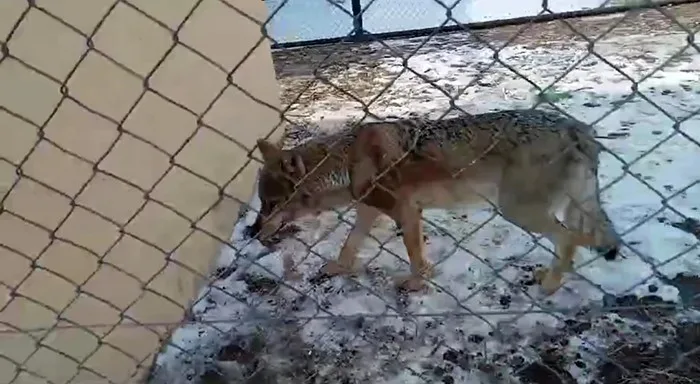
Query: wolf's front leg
column 346, row 264
column 410, row 221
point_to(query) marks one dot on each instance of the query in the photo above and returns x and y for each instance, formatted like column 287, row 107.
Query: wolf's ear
column 268, row 150
column 294, row 165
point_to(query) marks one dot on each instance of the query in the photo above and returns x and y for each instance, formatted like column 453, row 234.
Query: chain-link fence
column 348, row 20
column 101, row 233
column 115, row 187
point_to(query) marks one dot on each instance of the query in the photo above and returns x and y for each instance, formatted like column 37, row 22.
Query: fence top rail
column 358, row 36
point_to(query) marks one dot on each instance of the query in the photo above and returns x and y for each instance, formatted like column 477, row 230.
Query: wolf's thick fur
column 529, row 163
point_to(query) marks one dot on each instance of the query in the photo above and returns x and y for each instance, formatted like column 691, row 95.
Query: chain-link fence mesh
column 332, row 21
column 267, row 313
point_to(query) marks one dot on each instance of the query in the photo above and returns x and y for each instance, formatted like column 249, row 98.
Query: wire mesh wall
column 333, row 21
column 374, row 131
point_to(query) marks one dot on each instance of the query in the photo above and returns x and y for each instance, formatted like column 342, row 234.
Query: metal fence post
column 357, row 19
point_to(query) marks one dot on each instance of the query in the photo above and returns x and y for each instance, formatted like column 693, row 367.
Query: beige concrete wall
column 90, row 210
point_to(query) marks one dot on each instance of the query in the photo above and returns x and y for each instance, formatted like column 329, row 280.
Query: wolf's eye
column 277, row 203
column 269, row 204
column 308, row 199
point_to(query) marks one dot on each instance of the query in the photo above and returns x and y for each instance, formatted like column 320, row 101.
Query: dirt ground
column 652, row 345
column 671, row 356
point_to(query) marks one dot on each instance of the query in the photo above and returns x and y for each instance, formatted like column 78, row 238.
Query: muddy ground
column 649, row 342
column 674, row 356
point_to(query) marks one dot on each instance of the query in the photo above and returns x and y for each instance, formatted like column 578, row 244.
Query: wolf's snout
column 254, row 229
column 608, row 253
column 267, row 229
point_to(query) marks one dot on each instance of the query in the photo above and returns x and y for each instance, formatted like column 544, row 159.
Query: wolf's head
column 282, row 197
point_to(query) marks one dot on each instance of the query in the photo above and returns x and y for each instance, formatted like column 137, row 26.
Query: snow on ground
column 484, row 320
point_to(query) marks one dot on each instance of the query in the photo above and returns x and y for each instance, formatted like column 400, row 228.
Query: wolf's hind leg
column 537, row 219
column 534, row 215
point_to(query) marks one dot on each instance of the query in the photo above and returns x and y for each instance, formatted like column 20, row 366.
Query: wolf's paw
column 539, row 274
column 411, row 283
column 334, row 268
column 416, row 281
column 549, row 280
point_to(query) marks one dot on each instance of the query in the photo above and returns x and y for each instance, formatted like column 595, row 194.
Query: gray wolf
column 530, row 164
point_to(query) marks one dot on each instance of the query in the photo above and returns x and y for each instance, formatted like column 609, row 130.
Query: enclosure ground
column 631, row 320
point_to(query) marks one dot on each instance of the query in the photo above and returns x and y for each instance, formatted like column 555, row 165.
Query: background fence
column 297, row 23
column 132, row 145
